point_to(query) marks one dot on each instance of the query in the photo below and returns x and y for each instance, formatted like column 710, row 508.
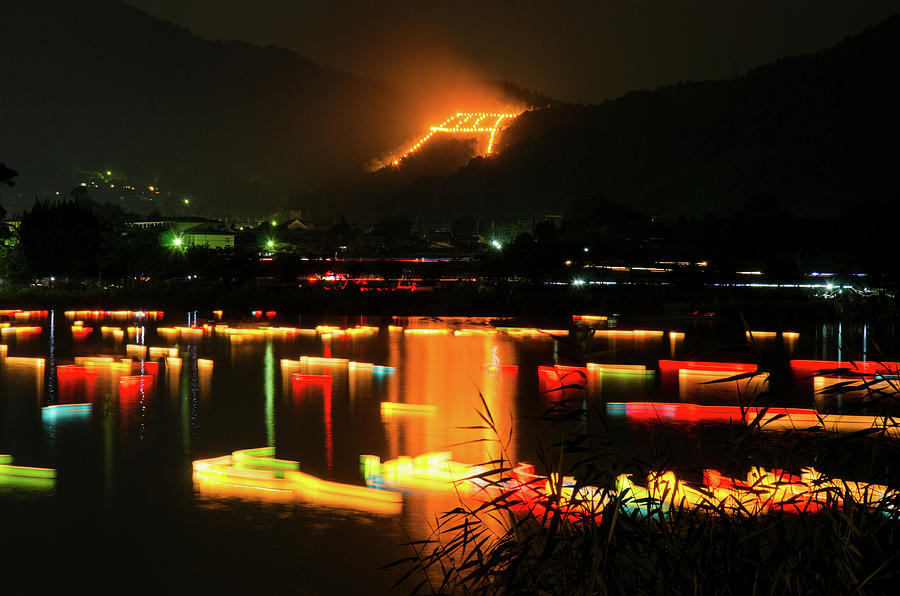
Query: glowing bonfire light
column 464, row 123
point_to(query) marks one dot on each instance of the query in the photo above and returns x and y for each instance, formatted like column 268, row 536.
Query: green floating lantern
column 25, row 477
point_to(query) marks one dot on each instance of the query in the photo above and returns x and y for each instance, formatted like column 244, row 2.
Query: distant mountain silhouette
column 98, row 84
column 819, row 132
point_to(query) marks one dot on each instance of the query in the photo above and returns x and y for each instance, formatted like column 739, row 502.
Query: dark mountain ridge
column 818, row 132
column 97, row 84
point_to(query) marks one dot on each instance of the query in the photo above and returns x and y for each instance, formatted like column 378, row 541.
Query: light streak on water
column 51, row 370
column 269, row 390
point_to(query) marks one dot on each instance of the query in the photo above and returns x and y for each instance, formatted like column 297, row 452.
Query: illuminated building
column 189, row 231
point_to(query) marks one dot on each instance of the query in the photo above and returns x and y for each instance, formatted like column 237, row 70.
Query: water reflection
column 269, row 391
column 164, row 399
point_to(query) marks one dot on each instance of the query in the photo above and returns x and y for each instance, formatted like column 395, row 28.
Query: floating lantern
column 775, row 419
column 115, row 332
column 258, row 473
column 391, row 408
column 66, row 411
column 300, row 381
column 136, row 351
column 322, row 361
column 635, row 333
column 470, row 331
column 589, row 319
column 426, row 331
column 160, row 353
column 618, row 369
column 70, row 377
column 562, row 381
column 867, row 367
column 22, row 331
column 80, row 332
column 24, row 361
column 25, row 477
column 426, row 472
column 132, row 386
column 667, row 488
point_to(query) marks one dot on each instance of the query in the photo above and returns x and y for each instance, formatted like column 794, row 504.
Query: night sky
column 576, row 51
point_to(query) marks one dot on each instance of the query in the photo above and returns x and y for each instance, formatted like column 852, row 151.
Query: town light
column 270, row 243
column 177, row 241
column 496, row 244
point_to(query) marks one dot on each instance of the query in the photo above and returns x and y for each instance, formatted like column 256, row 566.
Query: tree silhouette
column 60, row 239
column 6, row 177
column 7, row 174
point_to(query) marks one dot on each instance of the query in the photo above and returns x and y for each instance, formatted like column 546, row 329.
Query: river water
column 126, row 514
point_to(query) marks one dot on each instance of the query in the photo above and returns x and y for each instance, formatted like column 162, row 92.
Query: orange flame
column 463, row 123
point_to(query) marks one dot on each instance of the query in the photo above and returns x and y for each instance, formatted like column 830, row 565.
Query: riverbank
column 787, row 306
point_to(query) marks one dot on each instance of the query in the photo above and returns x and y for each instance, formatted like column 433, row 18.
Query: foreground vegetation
column 495, row 548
